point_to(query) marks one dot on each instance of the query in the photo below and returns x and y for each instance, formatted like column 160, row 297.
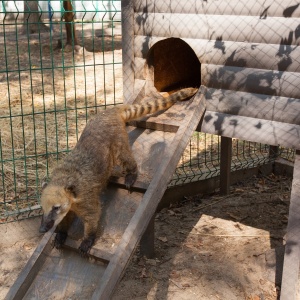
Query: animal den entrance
column 172, row 64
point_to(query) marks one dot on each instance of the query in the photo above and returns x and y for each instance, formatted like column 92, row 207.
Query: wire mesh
column 50, row 88
column 201, row 159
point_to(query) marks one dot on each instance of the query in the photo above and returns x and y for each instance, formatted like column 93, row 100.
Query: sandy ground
column 207, row 247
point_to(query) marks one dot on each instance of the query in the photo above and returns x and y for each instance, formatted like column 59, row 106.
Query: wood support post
column 70, row 25
column 225, row 164
column 273, row 151
column 147, row 241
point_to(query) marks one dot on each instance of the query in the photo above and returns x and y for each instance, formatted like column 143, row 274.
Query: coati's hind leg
column 62, row 230
column 129, row 165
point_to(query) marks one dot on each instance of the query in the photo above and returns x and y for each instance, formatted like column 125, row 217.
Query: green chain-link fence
column 52, row 81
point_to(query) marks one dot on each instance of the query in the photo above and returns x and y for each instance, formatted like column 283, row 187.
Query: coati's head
column 56, row 202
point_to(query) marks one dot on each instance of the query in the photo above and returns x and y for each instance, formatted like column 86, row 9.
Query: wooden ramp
column 157, row 144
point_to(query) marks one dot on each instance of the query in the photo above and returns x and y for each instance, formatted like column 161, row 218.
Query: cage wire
column 201, row 159
column 50, row 87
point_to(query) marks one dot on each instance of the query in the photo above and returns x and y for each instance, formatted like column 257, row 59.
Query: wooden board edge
column 29, row 272
column 143, row 123
column 138, row 186
column 95, row 253
column 291, row 262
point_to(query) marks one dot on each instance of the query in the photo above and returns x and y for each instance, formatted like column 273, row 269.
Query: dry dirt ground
column 207, row 246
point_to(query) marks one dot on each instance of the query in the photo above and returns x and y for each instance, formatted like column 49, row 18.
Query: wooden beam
column 251, row 129
column 225, row 165
column 273, row 152
column 259, row 106
column 239, row 78
column 225, row 7
column 98, row 254
column 290, row 282
column 147, row 240
column 223, row 52
column 31, row 269
column 69, row 23
column 238, row 28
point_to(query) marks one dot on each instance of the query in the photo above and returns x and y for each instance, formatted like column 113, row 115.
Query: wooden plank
column 139, row 186
column 147, row 207
column 264, row 9
column 66, row 275
column 231, row 102
column 290, row 276
column 164, row 121
column 96, row 253
column 229, row 53
column 31, row 269
column 169, row 120
column 251, row 80
column 259, row 106
column 251, row 129
column 274, row 83
column 118, row 207
column 225, row 165
column 144, row 123
column 228, row 27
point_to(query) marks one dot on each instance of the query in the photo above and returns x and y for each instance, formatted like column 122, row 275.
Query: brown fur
column 78, row 180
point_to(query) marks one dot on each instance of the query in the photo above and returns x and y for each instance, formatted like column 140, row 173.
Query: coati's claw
column 59, row 240
column 86, row 246
column 130, row 180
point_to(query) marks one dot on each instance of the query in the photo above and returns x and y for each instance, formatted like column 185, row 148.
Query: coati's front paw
column 130, row 179
column 59, row 240
column 86, row 246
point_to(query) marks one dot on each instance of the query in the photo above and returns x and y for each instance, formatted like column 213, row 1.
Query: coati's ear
column 71, row 189
column 44, row 184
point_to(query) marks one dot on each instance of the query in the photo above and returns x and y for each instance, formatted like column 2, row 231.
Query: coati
column 77, row 181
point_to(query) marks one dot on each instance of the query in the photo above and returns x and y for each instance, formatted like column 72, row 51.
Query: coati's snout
column 53, row 217
column 46, row 226
column 56, row 203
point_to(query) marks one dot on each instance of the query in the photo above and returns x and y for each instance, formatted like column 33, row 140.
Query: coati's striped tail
column 135, row 111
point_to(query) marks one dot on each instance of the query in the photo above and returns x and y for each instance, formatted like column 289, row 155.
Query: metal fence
column 201, row 159
column 50, row 88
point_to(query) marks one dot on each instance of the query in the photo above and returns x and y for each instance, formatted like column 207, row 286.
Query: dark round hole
column 175, row 65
